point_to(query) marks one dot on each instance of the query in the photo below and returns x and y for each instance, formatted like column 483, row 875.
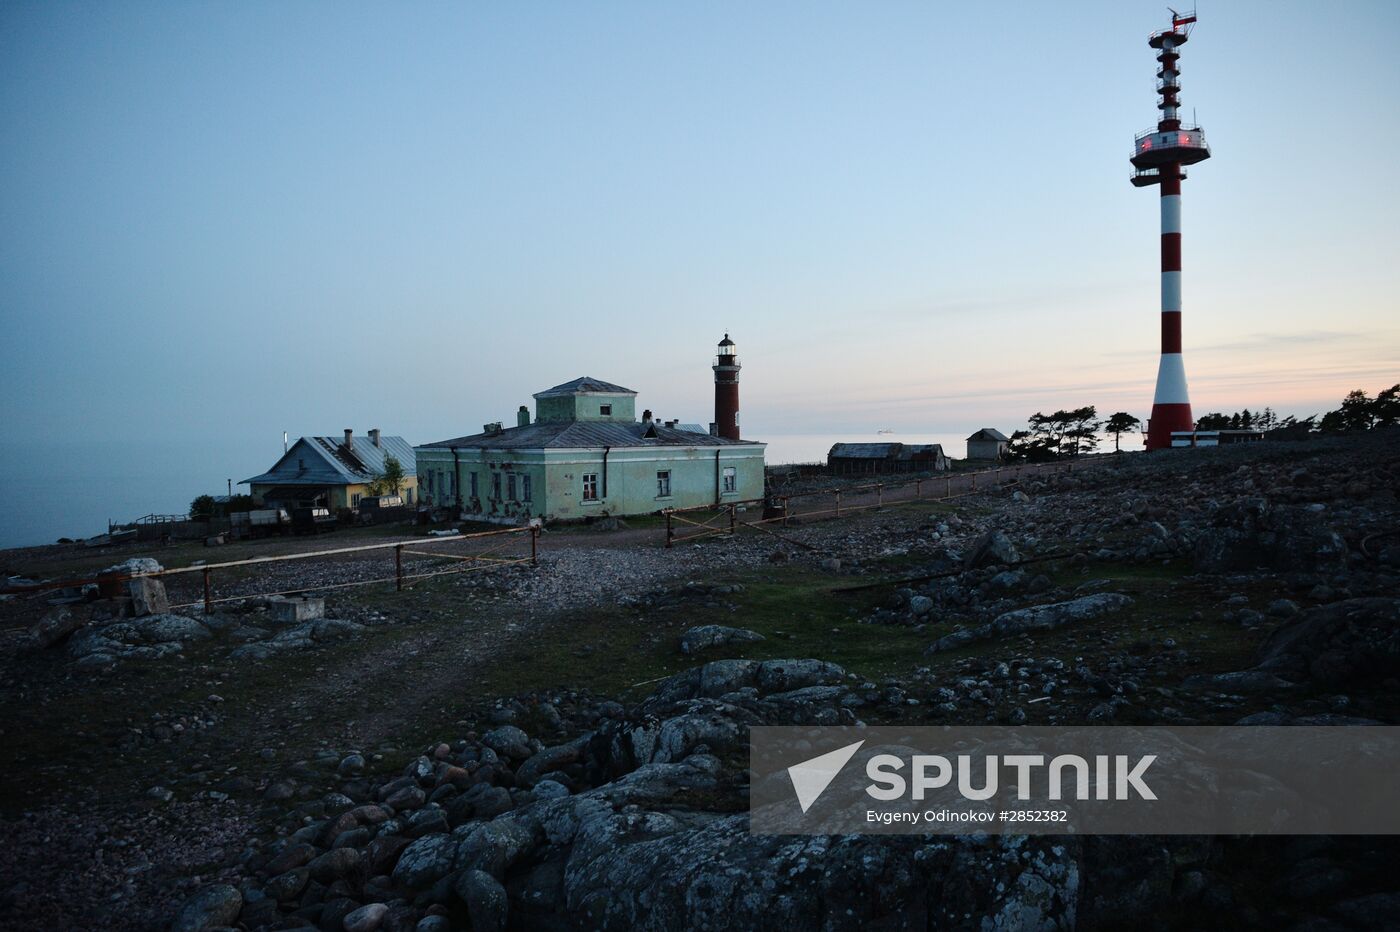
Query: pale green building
column 587, row 454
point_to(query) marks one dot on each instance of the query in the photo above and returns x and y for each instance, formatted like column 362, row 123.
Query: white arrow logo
column 811, row 777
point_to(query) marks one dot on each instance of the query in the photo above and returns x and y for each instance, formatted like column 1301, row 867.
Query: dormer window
column 605, row 410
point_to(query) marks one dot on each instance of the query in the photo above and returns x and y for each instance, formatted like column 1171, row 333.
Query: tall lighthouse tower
column 1159, row 157
column 726, row 390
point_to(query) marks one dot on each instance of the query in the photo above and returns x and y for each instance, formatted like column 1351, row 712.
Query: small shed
column 880, row 458
column 987, row 444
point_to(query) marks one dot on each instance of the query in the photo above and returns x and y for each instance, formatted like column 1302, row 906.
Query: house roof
column 989, row 433
column 880, row 451
column 325, row 461
column 547, row 435
column 584, row 384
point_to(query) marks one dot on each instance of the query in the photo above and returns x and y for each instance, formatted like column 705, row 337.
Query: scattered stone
column 54, row 627
column 705, row 637
column 211, row 908
column 485, row 898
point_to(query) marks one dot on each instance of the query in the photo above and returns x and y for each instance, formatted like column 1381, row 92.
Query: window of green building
column 663, row 483
column 731, row 479
column 590, row 487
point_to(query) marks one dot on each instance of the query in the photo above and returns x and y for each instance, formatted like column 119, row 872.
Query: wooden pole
column 670, row 531
column 534, row 546
column 732, row 509
column 398, row 568
column 208, row 592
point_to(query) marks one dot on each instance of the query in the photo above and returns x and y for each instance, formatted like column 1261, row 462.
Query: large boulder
column 485, row 898
column 54, row 627
column 136, row 566
column 549, row 760
column 726, row 676
column 426, row 861
column 993, row 547
column 705, row 637
column 159, row 628
column 659, row 871
column 1337, row 645
column 211, row 908
column 1036, row 618
column 1256, row 535
column 508, row 741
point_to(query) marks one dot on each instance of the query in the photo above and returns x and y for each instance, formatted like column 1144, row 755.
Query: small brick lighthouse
column 726, row 391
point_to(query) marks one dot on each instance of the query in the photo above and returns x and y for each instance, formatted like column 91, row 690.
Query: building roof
column 916, row 450
column 325, row 461
column 584, row 384
column 554, row 435
column 989, row 433
column 864, row 451
column 880, row 451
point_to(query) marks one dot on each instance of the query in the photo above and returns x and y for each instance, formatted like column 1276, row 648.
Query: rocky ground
column 564, row 746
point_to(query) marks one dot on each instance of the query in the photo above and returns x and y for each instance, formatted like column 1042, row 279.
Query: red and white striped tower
column 1159, row 157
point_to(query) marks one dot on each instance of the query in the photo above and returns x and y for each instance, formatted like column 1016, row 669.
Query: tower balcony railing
column 1158, row 147
column 1185, row 127
column 1189, row 136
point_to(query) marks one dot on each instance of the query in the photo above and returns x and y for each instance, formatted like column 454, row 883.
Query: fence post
column 732, row 509
column 879, row 495
column 398, row 568
column 838, row 503
column 918, row 489
column 534, row 545
column 787, row 503
column 670, row 531
column 974, row 482
column 208, row 593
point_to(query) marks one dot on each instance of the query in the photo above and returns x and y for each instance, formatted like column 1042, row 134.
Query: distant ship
column 885, row 430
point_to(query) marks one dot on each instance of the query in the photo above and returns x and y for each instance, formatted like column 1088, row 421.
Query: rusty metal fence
column 426, row 558
column 788, row 509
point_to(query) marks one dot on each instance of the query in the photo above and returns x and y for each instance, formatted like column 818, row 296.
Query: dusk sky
column 225, row 220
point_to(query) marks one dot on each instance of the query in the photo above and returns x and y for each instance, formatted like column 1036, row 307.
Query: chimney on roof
column 374, row 436
column 349, row 439
column 646, row 416
column 522, row 417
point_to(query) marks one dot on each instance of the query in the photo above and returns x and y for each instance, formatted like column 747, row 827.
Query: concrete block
column 147, row 596
column 294, row 610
